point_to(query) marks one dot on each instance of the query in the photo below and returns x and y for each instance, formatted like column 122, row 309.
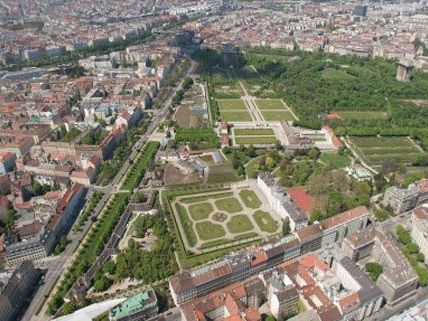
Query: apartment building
column 332, row 285
column 283, row 297
column 7, row 162
column 398, row 280
column 405, row 199
column 236, row 267
column 40, row 237
column 18, row 288
column 333, row 229
column 401, row 200
column 419, row 232
column 229, row 304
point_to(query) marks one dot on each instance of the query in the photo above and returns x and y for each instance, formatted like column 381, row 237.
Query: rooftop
column 135, row 304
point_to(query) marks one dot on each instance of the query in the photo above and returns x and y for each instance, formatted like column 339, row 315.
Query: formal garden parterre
column 223, row 217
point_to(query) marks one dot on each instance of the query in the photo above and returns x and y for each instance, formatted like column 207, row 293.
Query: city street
column 60, row 265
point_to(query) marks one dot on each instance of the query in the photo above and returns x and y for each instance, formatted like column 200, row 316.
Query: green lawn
column 236, row 116
column 359, row 115
column 240, row 140
column 208, row 231
column 221, row 174
column 250, row 198
column 254, row 132
column 265, row 222
column 197, row 199
column 200, row 211
column 280, row 115
column 231, row 104
column 229, row 205
column 186, row 223
column 239, row 224
column 270, row 104
column 334, row 74
column 334, row 160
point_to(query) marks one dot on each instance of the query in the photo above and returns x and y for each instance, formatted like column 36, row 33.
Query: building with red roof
column 302, row 199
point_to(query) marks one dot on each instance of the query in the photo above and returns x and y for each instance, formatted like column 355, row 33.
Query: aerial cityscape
column 217, row 160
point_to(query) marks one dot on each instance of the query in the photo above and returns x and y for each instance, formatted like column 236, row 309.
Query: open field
column 335, row 74
column 255, row 140
column 279, row 115
column 222, row 86
column 376, row 150
column 236, row 116
column 362, row 115
column 221, row 173
column 231, row 104
column 254, row 132
column 222, row 218
column 334, row 160
column 271, row 104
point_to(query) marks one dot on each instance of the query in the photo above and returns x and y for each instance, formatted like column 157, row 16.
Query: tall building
column 404, row 71
column 360, row 10
column 19, row 287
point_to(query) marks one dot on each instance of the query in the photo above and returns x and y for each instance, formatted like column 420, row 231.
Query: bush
column 380, row 214
column 403, row 234
column 374, row 269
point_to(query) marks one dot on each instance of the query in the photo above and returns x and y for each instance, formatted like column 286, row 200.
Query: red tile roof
column 302, row 199
column 344, row 217
column 336, row 141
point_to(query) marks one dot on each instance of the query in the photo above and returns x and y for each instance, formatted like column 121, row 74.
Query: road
column 59, row 265
column 157, row 118
column 388, row 311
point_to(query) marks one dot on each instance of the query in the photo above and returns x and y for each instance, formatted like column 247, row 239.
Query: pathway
column 357, row 156
column 251, row 105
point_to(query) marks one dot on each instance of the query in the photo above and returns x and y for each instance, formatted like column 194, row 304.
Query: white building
column 419, row 232
column 280, row 202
